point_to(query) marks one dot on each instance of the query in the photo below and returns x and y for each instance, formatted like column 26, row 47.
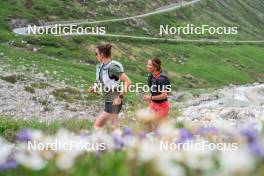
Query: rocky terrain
column 239, row 105
column 24, row 96
column 33, row 96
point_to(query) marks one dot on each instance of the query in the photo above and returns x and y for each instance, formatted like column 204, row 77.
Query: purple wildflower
column 127, row 131
column 142, row 134
column 185, row 135
column 24, row 135
column 84, row 134
column 253, row 142
column 251, row 134
column 118, row 141
column 256, row 148
column 9, row 164
column 207, row 130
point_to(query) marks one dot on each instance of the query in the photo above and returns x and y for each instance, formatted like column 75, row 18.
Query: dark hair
column 105, row 49
column 156, row 63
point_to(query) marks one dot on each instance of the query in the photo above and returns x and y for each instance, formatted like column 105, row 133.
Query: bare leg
column 161, row 120
column 150, row 126
column 101, row 119
column 114, row 121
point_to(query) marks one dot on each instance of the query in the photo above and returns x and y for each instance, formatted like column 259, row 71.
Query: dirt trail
column 23, row 30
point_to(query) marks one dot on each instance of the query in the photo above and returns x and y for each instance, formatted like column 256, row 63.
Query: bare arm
column 162, row 96
column 123, row 77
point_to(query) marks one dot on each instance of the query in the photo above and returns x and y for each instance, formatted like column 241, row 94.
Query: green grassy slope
column 72, row 59
column 78, row 9
column 247, row 15
column 211, row 65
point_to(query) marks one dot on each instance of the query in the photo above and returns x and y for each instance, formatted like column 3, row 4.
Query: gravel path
column 23, row 30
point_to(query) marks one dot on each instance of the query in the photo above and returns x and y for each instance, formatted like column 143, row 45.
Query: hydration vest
column 162, row 75
column 107, row 79
column 150, row 83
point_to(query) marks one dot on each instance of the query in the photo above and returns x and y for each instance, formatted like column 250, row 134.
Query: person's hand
column 147, row 98
column 117, row 101
column 91, row 89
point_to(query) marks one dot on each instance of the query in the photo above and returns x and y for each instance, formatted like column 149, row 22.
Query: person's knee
column 102, row 118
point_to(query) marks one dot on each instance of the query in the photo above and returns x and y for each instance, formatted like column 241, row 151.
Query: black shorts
column 113, row 109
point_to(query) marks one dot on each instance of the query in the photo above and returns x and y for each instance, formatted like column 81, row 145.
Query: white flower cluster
column 34, row 149
column 142, row 148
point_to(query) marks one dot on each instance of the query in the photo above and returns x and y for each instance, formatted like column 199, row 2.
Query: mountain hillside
column 190, row 65
column 246, row 15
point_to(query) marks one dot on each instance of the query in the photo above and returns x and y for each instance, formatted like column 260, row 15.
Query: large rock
column 136, row 22
column 17, row 22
